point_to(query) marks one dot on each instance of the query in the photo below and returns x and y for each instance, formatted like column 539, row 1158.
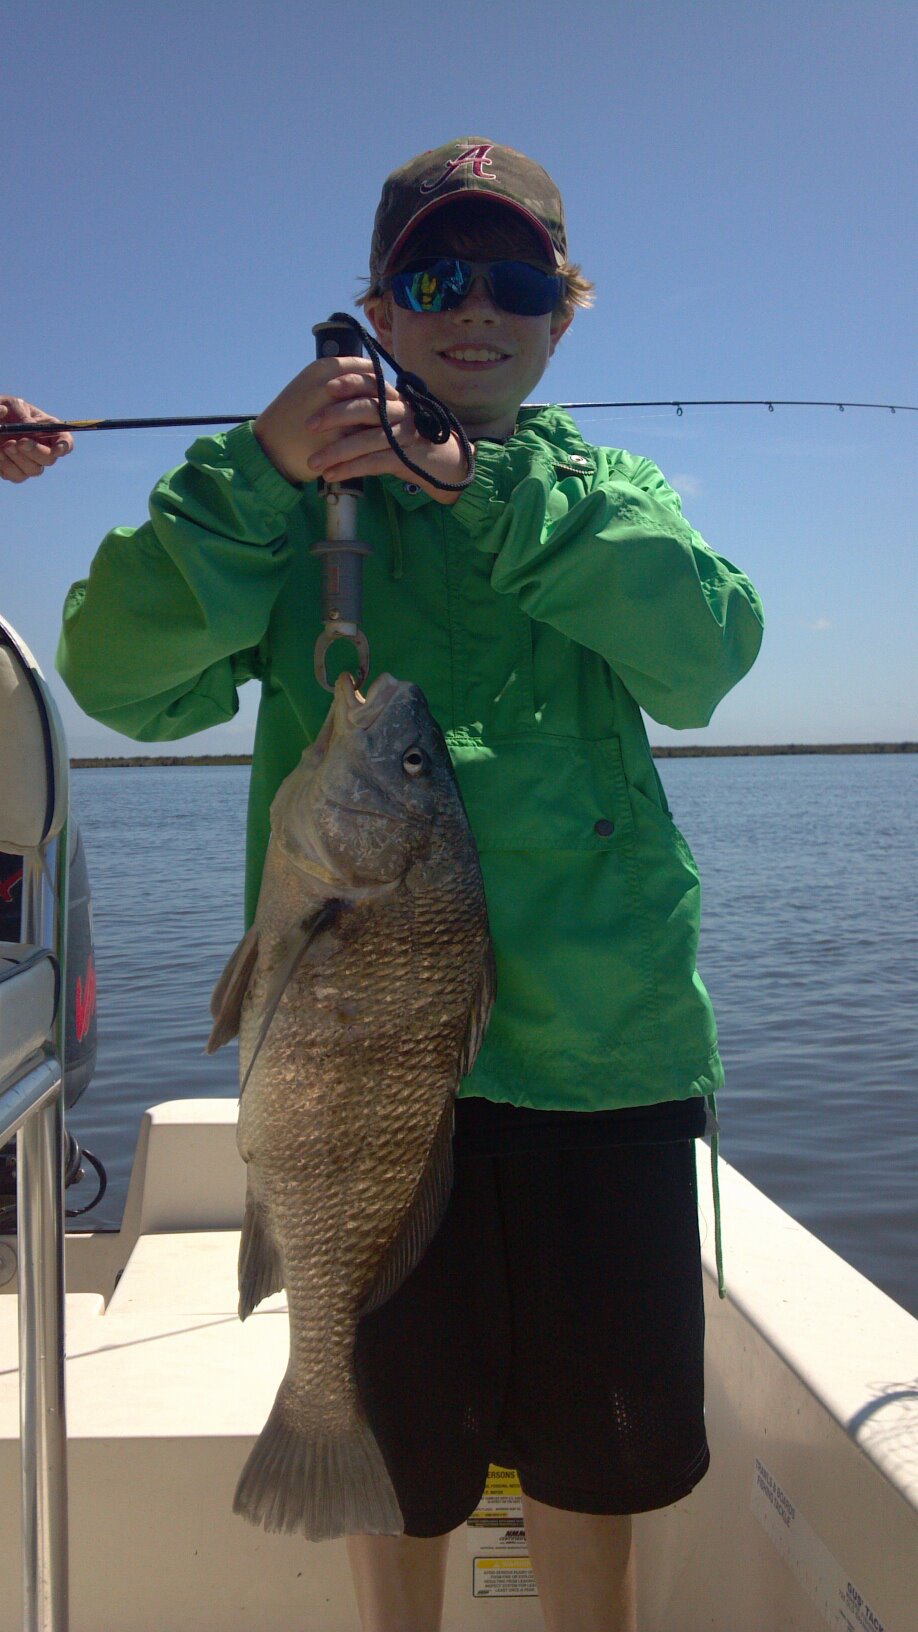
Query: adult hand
column 25, row 456
column 326, row 423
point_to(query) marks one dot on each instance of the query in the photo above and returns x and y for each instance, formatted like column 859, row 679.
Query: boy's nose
column 478, row 304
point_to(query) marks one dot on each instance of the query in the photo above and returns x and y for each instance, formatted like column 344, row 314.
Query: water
column 809, row 949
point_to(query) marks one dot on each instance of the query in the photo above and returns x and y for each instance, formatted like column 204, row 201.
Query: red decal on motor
column 85, row 1001
column 8, row 885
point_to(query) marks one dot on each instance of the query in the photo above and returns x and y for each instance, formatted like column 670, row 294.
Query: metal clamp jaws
column 321, row 652
column 341, row 552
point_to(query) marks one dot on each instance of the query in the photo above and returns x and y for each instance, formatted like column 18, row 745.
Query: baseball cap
column 469, row 165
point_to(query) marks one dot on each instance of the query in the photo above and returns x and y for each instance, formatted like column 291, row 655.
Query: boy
column 556, row 1322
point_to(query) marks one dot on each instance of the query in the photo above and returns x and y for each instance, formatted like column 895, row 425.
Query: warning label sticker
column 502, row 1578
column 839, row 1601
column 496, row 1526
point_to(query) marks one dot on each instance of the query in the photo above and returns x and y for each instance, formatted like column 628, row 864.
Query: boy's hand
column 326, row 423
column 25, row 456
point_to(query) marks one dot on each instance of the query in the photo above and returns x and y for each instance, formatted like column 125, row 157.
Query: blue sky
column 187, row 187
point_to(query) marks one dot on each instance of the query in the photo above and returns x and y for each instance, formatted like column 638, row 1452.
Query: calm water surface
column 809, row 949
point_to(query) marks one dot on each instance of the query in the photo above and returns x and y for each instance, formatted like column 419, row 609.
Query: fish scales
column 361, row 996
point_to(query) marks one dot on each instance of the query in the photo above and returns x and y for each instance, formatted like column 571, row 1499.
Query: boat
column 807, row 1518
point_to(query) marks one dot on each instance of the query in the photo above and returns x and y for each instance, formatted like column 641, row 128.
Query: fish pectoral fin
column 421, row 1221
column 312, row 941
column 479, row 1013
column 230, row 990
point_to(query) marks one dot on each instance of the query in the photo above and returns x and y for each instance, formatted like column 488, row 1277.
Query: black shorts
column 555, row 1326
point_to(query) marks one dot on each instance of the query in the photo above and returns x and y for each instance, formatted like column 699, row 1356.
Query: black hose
column 102, row 1176
column 73, row 1171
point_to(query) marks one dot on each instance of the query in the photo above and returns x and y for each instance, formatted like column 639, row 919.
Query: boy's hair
column 478, row 229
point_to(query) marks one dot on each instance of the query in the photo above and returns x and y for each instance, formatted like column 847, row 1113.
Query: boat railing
column 34, row 804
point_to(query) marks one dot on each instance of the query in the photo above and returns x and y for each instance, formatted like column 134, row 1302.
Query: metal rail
column 32, row 1108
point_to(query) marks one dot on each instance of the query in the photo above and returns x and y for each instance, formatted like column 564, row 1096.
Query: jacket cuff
column 246, row 454
column 499, row 469
column 473, row 507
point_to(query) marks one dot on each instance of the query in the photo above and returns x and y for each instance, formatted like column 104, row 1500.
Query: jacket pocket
column 670, row 891
column 543, row 793
column 575, row 980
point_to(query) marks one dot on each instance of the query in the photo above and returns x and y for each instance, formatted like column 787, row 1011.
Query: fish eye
column 415, row 762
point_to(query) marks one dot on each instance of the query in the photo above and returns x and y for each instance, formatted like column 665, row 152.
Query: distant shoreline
column 666, row 751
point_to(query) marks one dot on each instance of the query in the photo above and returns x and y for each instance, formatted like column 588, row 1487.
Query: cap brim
column 458, row 197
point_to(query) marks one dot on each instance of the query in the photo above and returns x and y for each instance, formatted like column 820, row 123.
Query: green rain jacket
column 562, row 594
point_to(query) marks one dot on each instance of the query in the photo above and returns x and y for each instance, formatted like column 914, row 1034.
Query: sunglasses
column 442, row 283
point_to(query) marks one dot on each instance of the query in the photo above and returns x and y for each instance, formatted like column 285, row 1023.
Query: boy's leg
column 584, row 1568
column 432, row 1367
column 399, row 1581
column 605, row 1415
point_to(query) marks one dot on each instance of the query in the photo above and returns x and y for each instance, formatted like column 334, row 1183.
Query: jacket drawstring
column 714, row 1129
column 396, row 552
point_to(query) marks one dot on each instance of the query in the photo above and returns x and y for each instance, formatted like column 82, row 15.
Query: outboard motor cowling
column 80, row 1031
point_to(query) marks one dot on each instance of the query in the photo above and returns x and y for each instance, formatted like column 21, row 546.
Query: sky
column 186, row 188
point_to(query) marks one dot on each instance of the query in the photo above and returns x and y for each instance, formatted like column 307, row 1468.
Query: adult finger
column 39, row 453
column 15, row 411
column 9, row 471
column 26, row 456
column 17, row 466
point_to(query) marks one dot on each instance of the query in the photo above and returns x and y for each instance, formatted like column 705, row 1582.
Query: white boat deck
column 808, row 1517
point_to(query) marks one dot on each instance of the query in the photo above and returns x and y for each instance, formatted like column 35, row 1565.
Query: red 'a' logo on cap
column 477, row 157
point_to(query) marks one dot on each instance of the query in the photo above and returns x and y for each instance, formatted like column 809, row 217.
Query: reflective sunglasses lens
column 441, row 285
column 434, row 286
column 524, row 289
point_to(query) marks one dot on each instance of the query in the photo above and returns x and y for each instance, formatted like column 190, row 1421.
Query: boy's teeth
column 469, row 354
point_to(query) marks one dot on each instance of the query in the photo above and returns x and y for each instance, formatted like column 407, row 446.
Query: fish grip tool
column 341, row 552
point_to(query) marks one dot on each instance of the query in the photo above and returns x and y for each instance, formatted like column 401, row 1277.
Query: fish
column 360, row 995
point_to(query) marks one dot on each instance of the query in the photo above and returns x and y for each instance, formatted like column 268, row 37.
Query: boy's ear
column 379, row 312
column 559, row 327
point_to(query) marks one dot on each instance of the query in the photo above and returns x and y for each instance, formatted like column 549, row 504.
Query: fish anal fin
column 261, row 1267
column 230, row 990
column 479, row 1012
column 421, row 1221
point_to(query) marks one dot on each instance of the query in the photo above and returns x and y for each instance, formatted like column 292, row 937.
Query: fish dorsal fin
column 313, row 940
column 479, row 1013
column 230, row 990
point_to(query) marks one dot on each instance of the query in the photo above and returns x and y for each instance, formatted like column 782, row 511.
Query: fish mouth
column 351, row 710
column 357, row 711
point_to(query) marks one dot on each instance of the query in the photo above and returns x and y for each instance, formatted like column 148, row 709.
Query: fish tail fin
column 261, row 1267
column 320, row 1485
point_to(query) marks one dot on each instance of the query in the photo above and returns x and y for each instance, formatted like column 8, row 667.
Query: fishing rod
column 342, row 552
column 42, row 427
column 742, row 402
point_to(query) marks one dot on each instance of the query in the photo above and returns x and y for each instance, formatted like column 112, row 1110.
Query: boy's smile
column 481, row 361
